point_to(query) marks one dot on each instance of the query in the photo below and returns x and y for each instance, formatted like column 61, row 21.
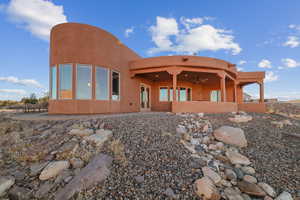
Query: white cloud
column 165, row 27
column 193, row 37
column 191, row 22
column 24, row 82
column 292, row 42
column 295, row 27
column 240, row 69
column 242, row 62
column 36, row 16
column 129, row 31
column 14, row 91
column 270, row 77
column 290, row 63
column 264, row 63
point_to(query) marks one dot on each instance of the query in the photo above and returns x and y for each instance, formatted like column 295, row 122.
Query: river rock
column 211, row 174
column 284, row 196
column 248, row 170
column 205, row 188
column 19, row 193
column 100, row 137
column 230, row 174
column 237, row 158
column 251, row 189
column 240, row 118
column 268, row 189
column 5, row 183
column 250, row 179
column 81, row 132
column 92, row 174
column 231, row 135
column 232, row 194
column 53, row 169
column 76, row 163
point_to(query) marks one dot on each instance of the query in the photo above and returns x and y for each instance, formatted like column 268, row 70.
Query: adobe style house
column 91, row 71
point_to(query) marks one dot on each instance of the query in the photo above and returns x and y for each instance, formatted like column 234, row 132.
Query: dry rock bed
column 234, row 156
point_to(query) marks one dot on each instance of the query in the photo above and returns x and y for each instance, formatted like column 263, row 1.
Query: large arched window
column 65, row 81
column 102, row 77
column 53, row 83
column 84, row 82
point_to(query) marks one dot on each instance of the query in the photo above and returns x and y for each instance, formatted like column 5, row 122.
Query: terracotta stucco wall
column 84, row 44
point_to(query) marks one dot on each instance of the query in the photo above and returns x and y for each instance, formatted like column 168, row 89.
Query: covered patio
column 202, row 85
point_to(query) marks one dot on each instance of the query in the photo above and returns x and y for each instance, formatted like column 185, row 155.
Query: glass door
column 145, row 97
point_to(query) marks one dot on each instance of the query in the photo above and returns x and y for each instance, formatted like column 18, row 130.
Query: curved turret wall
column 73, row 43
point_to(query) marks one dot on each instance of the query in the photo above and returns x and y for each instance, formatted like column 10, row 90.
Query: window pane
column 65, row 81
column 84, row 82
column 182, row 94
column 215, row 96
column 171, row 94
column 163, row 94
column 101, row 83
column 189, row 94
column 53, row 82
column 115, row 86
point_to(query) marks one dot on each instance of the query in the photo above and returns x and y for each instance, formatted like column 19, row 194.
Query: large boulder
column 94, row 173
column 205, row 188
column 5, row 183
column 231, row 135
column 237, row 158
column 53, row 169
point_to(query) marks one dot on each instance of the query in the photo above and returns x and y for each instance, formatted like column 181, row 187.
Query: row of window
column 184, row 94
column 83, row 82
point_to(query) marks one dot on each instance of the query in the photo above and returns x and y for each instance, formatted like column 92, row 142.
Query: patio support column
column 174, row 72
column 223, row 87
column 174, row 87
column 261, row 91
column 235, row 91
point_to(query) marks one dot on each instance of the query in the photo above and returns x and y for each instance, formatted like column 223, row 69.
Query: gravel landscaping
column 150, row 159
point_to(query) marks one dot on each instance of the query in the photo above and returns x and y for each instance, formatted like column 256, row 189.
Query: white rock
column 241, row 118
column 237, row 158
column 53, row 169
column 5, row 183
column 284, row 196
column 100, row 137
column 81, row 132
column 268, row 189
column 231, row 135
column 211, row 174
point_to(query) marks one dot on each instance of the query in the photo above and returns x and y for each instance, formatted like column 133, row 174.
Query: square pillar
column 174, row 86
column 261, row 91
column 223, row 88
column 235, row 91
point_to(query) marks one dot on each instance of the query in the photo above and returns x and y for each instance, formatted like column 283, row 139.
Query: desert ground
column 152, row 155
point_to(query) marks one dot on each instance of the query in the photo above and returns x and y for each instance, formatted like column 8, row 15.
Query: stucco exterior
column 73, row 43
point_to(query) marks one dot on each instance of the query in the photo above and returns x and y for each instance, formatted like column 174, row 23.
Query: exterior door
column 145, row 97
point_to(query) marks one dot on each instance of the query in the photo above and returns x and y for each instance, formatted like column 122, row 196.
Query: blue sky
column 258, row 35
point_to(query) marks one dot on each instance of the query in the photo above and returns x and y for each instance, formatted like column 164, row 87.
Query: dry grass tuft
column 117, row 148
